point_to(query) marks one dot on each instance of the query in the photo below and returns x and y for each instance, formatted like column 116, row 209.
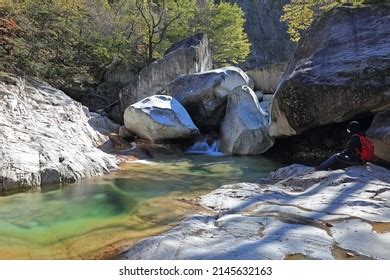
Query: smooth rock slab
column 358, row 236
column 296, row 210
column 47, row 138
column 159, row 117
column 234, row 237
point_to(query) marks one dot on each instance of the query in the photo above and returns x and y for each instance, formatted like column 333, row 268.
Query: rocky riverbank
column 48, row 138
column 295, row 213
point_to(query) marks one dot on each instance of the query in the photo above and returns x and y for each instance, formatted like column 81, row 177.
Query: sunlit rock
column 244, row 129
column 339, row 70
column 191, row 55
column 159, row 117
column 204, row 95
column 296, row 210
column 47, row 138
column 266, row 79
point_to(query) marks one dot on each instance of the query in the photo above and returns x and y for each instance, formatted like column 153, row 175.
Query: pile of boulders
column 330, row 79
column 161, row 106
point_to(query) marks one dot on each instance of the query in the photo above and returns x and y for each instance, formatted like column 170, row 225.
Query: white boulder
column 159, row 117
column 244, row 130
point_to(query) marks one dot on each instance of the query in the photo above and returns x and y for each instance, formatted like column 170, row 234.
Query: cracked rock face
column 48, row 138
column 295, row 211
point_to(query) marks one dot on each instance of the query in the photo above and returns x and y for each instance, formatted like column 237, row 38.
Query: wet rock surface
column 295, row 211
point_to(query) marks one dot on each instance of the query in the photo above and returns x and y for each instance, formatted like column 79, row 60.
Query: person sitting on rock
column 358, row 151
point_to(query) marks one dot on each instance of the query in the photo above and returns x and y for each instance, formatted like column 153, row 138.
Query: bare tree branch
column 151, row 16
column 140, row 9
column 161, row 14
column 164, row 29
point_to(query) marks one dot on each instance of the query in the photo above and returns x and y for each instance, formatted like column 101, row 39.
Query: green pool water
column 98, row 217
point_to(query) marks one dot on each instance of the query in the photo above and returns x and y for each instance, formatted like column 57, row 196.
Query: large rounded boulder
column 191, row 55
column 340, row 69
column 159, row 117
column 204, row 95
column 244, row 130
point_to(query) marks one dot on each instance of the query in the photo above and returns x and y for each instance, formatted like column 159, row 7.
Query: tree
column 66, row 41
column 112, row 32
column 46, row 35
column 224, row 25
column 76, row 41
column 300, row 14
column 225, row 28
column 157, row 19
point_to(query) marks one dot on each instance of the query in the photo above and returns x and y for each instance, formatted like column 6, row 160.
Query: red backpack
column 367, row 153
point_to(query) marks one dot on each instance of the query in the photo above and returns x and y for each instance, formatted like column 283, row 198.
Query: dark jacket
column 353, row 150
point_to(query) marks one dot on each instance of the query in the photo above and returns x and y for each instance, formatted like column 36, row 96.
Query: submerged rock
column 159, row 117
column 191, row 55
column 204, row 95
column 244, row 129
column 296, row 210
column 47, row 138
column 339, row 70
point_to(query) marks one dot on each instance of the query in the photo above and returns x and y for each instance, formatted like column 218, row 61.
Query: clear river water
column 98, row 217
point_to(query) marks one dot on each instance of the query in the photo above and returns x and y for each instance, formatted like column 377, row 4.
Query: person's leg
column 348, row 161
column 328, row 163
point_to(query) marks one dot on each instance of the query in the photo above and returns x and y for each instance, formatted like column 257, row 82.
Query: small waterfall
column 203, row 147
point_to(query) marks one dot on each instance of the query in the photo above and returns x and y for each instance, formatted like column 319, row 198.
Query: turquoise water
column 97, row 217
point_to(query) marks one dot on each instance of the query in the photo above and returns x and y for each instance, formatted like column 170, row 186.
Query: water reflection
column 93, row 218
